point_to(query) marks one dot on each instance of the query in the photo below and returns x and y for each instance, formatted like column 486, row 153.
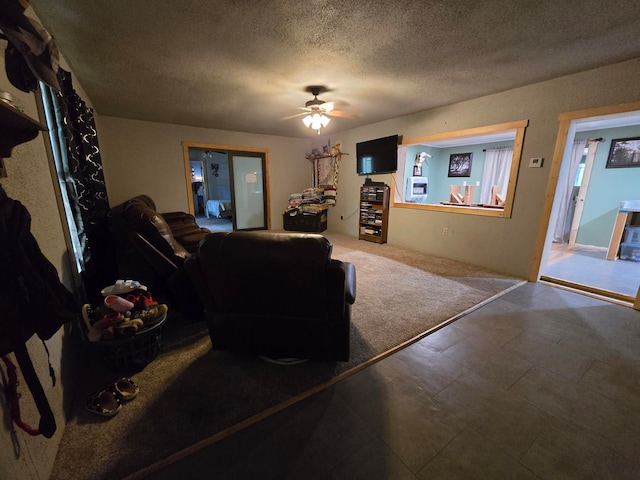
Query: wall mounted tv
column 377, row 156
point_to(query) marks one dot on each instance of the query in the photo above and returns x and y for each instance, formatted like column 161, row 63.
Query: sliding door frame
column 230, row 149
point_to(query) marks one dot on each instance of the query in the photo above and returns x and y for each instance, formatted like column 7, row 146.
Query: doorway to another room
column 227, row 186
column 211, row 189
column 585, row 241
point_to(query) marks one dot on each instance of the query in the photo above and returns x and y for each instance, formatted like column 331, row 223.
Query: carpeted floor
column 191, row 396
column 215, row 224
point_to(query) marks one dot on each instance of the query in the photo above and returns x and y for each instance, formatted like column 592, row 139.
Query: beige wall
column 505, row 245
column 146, row 157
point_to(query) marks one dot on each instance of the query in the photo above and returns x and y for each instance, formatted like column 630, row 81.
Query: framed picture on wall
column 460, row 164
column 624, row 152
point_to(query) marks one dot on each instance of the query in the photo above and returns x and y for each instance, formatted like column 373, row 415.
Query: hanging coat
column 32, row 298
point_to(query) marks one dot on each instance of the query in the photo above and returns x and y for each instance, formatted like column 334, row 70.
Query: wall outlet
column 445, row 231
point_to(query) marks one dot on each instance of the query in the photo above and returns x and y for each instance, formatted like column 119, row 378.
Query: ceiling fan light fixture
column 324, row 120
column 316, row 121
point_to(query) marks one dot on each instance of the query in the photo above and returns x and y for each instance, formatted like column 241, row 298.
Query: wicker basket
column 131, row 353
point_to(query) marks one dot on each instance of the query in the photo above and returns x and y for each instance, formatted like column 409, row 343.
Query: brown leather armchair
column 280, row 295
column 152, row 247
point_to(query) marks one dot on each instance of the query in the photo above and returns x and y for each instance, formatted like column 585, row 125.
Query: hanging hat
column 18, row 72
column 29, row 40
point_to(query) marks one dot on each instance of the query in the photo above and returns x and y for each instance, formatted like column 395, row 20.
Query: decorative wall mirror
column 472, row 171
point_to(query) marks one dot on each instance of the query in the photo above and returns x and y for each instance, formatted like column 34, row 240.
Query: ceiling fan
column 317, row 112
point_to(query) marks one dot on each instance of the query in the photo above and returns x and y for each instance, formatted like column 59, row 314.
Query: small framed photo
column 624, row 152
column 460, row 164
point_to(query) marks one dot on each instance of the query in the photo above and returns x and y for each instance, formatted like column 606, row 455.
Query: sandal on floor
column 103, row 403
column 124, row 389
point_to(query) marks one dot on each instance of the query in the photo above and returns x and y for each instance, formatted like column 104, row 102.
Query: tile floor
column 590, row 267
column 540, row 383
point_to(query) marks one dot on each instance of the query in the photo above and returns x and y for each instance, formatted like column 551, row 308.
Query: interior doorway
column 227, row 186
column 572, row 190
column 198, row 186
column 583, row 199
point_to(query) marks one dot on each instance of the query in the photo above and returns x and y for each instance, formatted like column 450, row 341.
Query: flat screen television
column 377, row 156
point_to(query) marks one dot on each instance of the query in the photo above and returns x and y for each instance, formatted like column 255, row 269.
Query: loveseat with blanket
column 279, row 295
column 151, row 248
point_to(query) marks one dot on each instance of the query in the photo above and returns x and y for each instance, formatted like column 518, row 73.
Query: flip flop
column 118, row 304
column 103, row 403
column 98, row 328
column 122, row 286
column 124, row 389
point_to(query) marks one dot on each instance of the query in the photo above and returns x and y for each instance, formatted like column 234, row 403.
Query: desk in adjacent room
column 625, row 214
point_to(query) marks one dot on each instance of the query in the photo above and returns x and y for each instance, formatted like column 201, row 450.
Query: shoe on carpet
column 103, row 403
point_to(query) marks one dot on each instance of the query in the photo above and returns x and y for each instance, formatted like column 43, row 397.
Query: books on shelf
column 370, row 231
column 374, row 212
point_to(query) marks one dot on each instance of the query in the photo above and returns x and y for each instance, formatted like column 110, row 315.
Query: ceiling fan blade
column 294, row 116
column 341, row 114
column 328, row 106
column 317, row 106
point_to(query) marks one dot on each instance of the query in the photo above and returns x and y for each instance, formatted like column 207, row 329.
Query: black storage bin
column 131, row 354
column 305, row 222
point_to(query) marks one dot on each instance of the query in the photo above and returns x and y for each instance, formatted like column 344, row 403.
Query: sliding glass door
column 248, row 191
column 236, row 184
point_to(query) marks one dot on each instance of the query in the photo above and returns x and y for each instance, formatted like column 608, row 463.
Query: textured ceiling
column 244, row 65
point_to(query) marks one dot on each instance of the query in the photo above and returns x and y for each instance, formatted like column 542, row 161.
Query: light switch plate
column 536, row 162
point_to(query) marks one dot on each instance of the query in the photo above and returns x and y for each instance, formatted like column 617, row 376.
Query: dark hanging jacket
column 32, row 298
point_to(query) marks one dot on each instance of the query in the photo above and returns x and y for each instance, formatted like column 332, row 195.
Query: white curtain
column 566, row 183
column 497, row 165
column 401, row 175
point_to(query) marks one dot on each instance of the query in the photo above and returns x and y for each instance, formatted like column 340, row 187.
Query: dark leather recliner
column 152, row 247
column 183, row 226
column 280, row 295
